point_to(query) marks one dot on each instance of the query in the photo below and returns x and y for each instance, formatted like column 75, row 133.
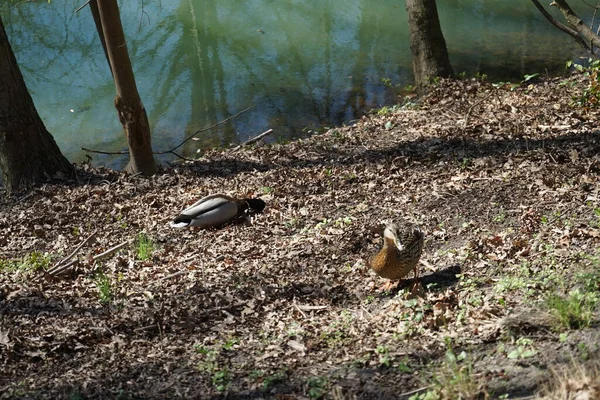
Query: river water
column 300, row 65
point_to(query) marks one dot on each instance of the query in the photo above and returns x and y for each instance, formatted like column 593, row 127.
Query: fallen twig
column 487, row 178
column 427, row 265
column 481, row 100
column 415, row 391
column 310, row 308
column 252, row 140
column 526, row 398
column 55, row 269
column 28, row 195
column 300, row 310
column 146, row 328
column 173, row 275
column 189, row 258
column 59, row 269
column 111, row 250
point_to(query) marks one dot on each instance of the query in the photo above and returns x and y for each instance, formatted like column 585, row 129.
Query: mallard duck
column 216, row 210
column 400, row 252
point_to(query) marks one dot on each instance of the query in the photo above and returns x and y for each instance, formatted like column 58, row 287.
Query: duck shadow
column 435, row 281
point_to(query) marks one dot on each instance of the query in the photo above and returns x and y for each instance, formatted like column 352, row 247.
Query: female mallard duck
column 400, row 252
column 216, row 210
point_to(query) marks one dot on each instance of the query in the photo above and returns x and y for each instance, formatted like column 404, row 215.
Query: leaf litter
column 503, row 182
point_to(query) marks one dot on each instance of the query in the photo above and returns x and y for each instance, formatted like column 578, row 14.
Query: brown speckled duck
column 400, row 253
column 216, row 210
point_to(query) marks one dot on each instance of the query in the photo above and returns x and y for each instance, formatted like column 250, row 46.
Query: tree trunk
column 130, row 109
column 427, row 44
column 28, row 152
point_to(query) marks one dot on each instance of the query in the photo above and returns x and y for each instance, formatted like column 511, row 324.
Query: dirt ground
column 503, row 180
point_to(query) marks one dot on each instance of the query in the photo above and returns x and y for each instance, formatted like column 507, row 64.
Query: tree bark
column 28, row 152
column 569, row 31
column 576, row 22
column 130, row 109
column 427, row 44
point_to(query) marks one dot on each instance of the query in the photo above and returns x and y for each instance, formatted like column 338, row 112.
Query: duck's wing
column 218, row 216
column 212, row 210
column 205, row 204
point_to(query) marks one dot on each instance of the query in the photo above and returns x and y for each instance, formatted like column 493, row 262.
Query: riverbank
column 504, row 182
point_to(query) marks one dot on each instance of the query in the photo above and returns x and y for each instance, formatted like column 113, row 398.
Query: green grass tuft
column 32, row 262
column 455, row 380
column 574, row 311
column 105, row 291
column 144, row 247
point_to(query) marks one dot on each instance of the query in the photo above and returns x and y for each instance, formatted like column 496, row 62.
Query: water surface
column 299, row 64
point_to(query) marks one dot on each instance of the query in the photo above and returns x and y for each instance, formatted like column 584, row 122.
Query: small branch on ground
column 58, row 270
column 147, row 328
column 253, row 140
column 57, row 267
column 474, row 105
column 176, row 274
column 111, row 250
column 427, row 265
column 416, row 391
column 300, row 310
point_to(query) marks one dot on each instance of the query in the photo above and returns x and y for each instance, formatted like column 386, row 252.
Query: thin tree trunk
column 569, row 31
column 427, row 44
column 28, row 152
column 130, row 109
column 576, row 22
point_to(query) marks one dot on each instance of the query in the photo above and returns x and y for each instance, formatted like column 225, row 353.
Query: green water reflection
column 298, row 63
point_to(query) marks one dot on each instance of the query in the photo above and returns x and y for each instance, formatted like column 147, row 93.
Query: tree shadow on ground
column 426, row 151
column 429, row 151
column 36, row 304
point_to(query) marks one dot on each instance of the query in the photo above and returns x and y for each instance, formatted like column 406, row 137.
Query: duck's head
column 402, row 236
column 256, row 205
column 390, row 234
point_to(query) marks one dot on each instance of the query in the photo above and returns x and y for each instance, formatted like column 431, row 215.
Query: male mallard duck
column 400, row 252
column 216, row 210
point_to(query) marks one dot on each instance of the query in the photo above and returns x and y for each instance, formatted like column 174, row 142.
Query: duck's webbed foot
column 416, row 289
